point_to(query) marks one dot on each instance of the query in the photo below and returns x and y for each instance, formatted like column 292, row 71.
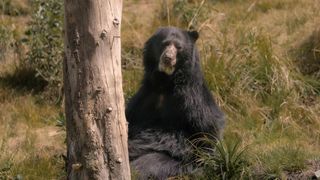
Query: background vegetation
column 261, row 60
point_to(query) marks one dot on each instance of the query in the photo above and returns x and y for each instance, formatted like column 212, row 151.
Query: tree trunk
column 94, row 103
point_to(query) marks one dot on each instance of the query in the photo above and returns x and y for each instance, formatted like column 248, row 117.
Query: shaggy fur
column 169, row 109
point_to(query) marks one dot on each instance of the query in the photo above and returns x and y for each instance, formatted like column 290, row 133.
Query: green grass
column 30, row 144
column 259, row 59
column 287, row 157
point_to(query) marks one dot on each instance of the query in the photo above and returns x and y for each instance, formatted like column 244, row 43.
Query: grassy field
column 261, row 60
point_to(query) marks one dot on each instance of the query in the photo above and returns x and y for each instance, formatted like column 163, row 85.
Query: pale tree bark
column 96, row 125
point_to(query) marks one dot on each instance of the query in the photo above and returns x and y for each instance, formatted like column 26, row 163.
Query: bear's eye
column 166, row 43
column 178, row 46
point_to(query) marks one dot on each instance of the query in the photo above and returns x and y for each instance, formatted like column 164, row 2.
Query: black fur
column 169, row 109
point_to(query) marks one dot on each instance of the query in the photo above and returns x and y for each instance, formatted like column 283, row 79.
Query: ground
column 256, row 56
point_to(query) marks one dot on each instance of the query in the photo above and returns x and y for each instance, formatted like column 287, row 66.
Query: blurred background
column 261, row 60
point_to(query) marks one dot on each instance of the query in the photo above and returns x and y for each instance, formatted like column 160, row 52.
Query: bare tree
column 94, row 103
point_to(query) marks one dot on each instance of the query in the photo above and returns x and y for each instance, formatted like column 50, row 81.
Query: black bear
column 172, row 105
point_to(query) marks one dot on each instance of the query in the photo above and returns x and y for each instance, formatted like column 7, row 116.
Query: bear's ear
column 194, row 35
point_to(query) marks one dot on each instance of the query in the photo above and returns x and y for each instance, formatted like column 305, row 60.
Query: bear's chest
column 170, row 109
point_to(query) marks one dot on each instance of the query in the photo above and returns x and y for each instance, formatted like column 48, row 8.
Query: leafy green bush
column 45, row 40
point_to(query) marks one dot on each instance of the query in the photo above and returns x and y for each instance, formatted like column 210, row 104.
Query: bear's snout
column 168, row 59
column 169, row 55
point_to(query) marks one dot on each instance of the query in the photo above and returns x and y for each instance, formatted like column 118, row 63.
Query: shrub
column 46, row 41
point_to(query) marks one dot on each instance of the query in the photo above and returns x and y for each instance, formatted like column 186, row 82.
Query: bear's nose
column 167, row 60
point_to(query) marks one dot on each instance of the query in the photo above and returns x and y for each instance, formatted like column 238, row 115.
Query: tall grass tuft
column 222, row 159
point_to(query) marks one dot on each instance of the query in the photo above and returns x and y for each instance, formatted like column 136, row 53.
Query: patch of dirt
column 50, row 138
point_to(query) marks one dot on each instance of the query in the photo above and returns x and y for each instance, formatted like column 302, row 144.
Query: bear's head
column 169, row 49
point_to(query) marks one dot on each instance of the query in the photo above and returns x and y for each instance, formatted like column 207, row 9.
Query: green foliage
column 61, row 121
column 222, row 159
column 45, row 40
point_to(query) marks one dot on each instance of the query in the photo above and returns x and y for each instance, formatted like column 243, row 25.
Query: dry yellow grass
column 254, row 55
